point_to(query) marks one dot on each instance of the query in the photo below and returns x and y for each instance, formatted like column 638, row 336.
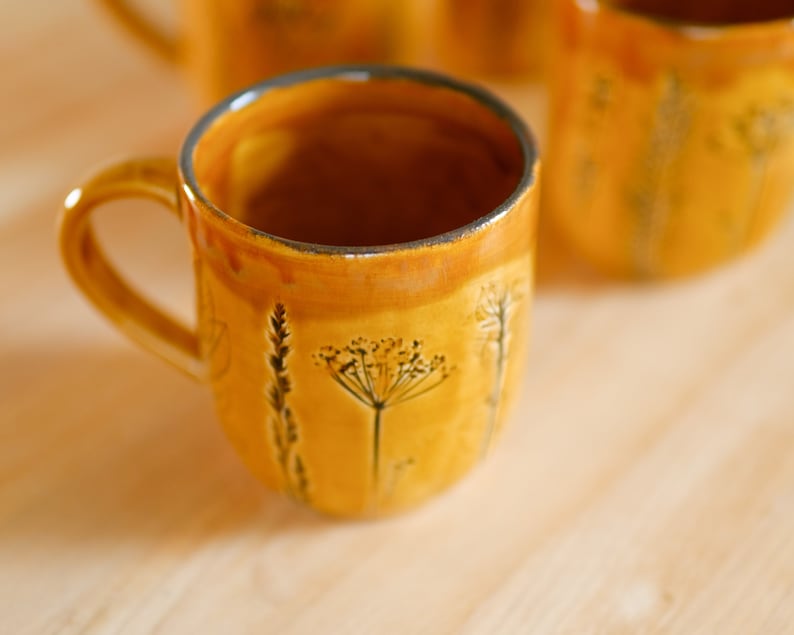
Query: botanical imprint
column 283, row 427
column 654, row 189
column 761, row 130
column 590, row 159
column 494, row 312
column 382, row 374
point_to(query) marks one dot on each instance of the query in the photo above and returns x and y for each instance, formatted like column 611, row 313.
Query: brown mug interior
column 709, row 12
column 358, row 162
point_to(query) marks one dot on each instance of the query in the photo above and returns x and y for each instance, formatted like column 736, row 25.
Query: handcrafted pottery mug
column 503, row 39
column 228, row 44
column 363, row 242
column 671, row 144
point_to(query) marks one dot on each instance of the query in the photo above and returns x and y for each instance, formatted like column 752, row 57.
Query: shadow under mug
column 225, row 45
column 363, row 243
column 671, row 141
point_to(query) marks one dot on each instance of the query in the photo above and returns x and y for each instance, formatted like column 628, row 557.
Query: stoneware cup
column 495, row 39
column 671, row 144
column 225, row 45
column 363, row 242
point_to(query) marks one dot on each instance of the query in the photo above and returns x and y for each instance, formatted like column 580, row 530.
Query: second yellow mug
column 491, row 39
column 363, row 241
column 671, row 146
column 225, row 45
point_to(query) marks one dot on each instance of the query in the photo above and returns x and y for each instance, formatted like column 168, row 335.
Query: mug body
column 504, row 39
column 672, row 131
column 229, row 45
column 362, row 360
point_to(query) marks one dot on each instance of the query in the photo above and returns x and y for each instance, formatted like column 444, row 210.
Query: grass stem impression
column 283, row 426
column 496, row 306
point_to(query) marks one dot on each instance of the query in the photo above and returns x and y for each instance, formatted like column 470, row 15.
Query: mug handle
column 165, row 45
column 86, row 263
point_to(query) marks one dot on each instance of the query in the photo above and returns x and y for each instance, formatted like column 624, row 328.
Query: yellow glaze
column 671, row 144
column 358, row 380
column 225, row 45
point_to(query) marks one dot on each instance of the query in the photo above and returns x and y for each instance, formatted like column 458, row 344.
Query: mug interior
column 352, row 161
column 711, row 12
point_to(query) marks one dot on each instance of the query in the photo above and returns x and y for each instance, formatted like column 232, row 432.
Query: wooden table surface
column 645, row 485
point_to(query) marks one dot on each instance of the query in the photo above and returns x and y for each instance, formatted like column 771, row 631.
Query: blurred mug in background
column 671, row 140
column 492, row 39
column 225, row 45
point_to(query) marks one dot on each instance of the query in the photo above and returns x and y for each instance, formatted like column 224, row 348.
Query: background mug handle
column 89, row 268
column 164, row 44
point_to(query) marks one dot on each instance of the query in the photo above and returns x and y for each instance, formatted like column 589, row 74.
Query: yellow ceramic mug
column 505, row 39
column 228, row 44
column 671, row 147
column 363, row 243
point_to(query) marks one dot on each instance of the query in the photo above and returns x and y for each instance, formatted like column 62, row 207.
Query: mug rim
column 363, row 73
column 692, row 28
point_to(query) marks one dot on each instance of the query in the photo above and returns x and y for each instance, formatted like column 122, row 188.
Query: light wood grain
column 646, row 484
